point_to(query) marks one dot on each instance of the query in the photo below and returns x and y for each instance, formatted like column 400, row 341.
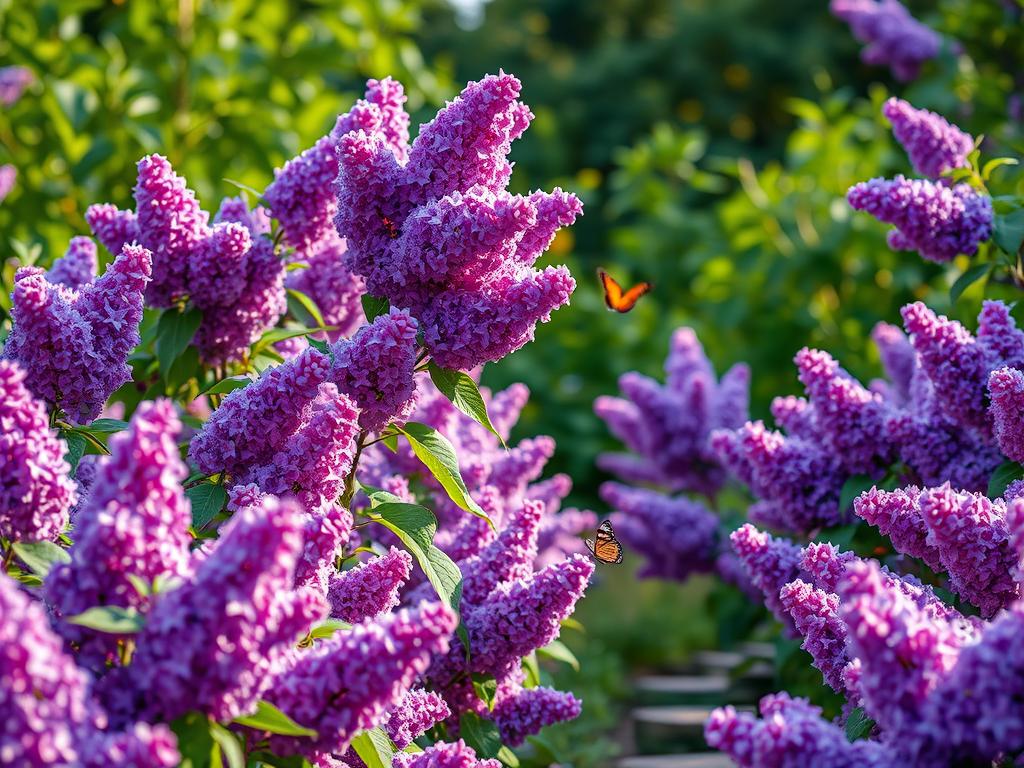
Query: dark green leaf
column 229, row 384
column 110, row 618
column 438, row 455
column 230, row 747
column 269, row 718
column 1005, row 474
column 107, row 426
column 1008, row 231
column 40, row 556
column 374, row 307
column 195, row 741
column 464, row 394
column 852, row 488
column 374, row 748
column 481, row 735
column 322, row 346
column 76, row 449
column 308, row 306
column 558, row 651
column 967, row 279
column 184, row 368
column 485, row 686
column 858, row 725
column 174, row 332
column 532, row 670
column 207, row 500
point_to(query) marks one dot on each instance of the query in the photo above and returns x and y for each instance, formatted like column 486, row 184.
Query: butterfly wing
column 612, row 290
column 632, row 296
column 607, row 548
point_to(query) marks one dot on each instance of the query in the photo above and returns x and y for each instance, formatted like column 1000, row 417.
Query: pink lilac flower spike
column 140, row 746
column 815, row 613
column 770, row 563
column 134, row 524
column 897, row 515
column 114, row 228
column 444, row 755
column 891, row 36
column 936, row 220
column 417, row 712
column 300, row 196
column 13, row 82
column 676, row 536
column 1006, row 392
column 74, row 346
column 36, row 490
column 369, row 589
column 336, row 292
column 8, row 178
column 348, row 683
column 325, row 532
column 211, row 644
column 792, row 734
column 526, row 713
column 903, row 653
column 933, row 145
column 77, row 267
column 973, row 542
column 507, row 558
column 849, row 419
column 252, row 423
column 999, row 335
column 375, row 368
column 170, row 224
column 382, row 110
column 898, row 358
column 215, row 266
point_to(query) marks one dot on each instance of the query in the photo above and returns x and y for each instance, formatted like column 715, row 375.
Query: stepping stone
column 683, row 684
column 706, row 690
column 676, row 729
column 696, row 760
column 757, row 650
column 717, row 661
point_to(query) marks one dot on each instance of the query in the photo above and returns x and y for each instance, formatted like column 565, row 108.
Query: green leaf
column 391, row 441
column 558, row 651
column 207, row 500
column 328, row 628
column 967, row 279
column 40, row 556
column 307, row 304
column 532, row 670
column 76, row 449
column 230, row 384
column 486, row 687
column 269, row 718
column 508, row 757
column 464, row 394
column 110, row 618
column 481, row 735
column 280, row 334
column 438, row 455
column 1005, row 474
column 852, row 488
column 107, row 426
column 1008, row 231
column 374, row 748
column 374, row 307
column 230, row 747
column 195, row 740
column 320, row 345
column 174, row 332
column 858, row 725
column 256, row 194
column 991, row 165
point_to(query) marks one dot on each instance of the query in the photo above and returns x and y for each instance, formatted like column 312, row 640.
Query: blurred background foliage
column 712, row 142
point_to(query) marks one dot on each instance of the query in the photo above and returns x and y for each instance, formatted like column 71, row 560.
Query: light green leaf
column 106, row 426
column 374, row 748
column 991, row 165
column 558, row 651
column 374, row 307
column 508, row 757
column 230, row 747
column 464, row 395
column 40, row 556
column 1008, row 231
column 328, row 628
column 481, row 735
column 967, row 279
column 269, row 718
column 174, row 332
column 281, row 334
column 532, row 670
column 858, row 725
column 110, row 618
column 256, row 194
column 486, row 687
column 438, row 455
column 207, row 500
column 76, row 449
column 307, row 305
column 230, row 384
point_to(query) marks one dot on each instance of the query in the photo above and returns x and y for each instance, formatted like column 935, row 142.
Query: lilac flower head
column 897, row 515
column 769, row 562
column 8, row 177
column 1006, row 392
column 791, row 735
column 375, row 369
column 335, row 291
column 676, row 535
column 417, row 712
column 134, row 524
column 442, row 755
column 999, row 335
column 211, row 644
column 891, row 36
column 114, row 228
column 77, row 267
column 936, row 220
column 371, row 588
column 36, row 491
column 74, row 346
column 325, row 532
column 933, row 144
column 815, row 613
column 898, row 357
column 507, row 558
column 13, row 82
column 973, row 543
column 373, row 665
column 532, row 709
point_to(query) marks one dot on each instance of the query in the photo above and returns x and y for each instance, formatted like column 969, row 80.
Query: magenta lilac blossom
column 769, row 562
column 13, row 82
column 77, row 267
column 369, row 589
column 932, row 143
column 443, row 755
column 1006, row 393
column 531, row 710
column 891, row 36
column 417, row 712
column 8, row 178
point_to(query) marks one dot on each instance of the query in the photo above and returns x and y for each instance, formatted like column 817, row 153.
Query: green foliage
column 269, row 718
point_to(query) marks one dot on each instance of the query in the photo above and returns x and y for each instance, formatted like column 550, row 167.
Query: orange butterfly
column 607, row 549
column 615, row 298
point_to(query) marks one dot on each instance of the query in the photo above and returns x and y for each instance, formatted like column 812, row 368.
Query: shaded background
column 712, row 143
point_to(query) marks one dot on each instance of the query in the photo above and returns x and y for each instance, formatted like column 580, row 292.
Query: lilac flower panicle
column 898, row 357
column 999, row 335
column 531, row 710
column 507, row 558
column 1006, row 393
column 417, row 712
column 770, row 563
column 114, row 228
column 932, row 143
column 13, row 82
column 325, row 532
column 371, row 588
column 77, row 267
column 815, row 614
column 336, row 292
column 897, row 515
column 443, row 755
column 891, row 36
column 36, row 490
column 936, row 220
column 74, row 345
column 375, row 368
column 8, row 178
column 211, row 644
column 349, row 682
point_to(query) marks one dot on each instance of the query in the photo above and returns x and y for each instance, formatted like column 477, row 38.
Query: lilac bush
column 890, row 35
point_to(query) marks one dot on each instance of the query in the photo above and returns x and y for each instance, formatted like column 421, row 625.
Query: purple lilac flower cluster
column 8, row 178
column 891, row 36
column 933, row 144
column 13, row 82
column 431, row 228
column 74, row 344
column 229, row 270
